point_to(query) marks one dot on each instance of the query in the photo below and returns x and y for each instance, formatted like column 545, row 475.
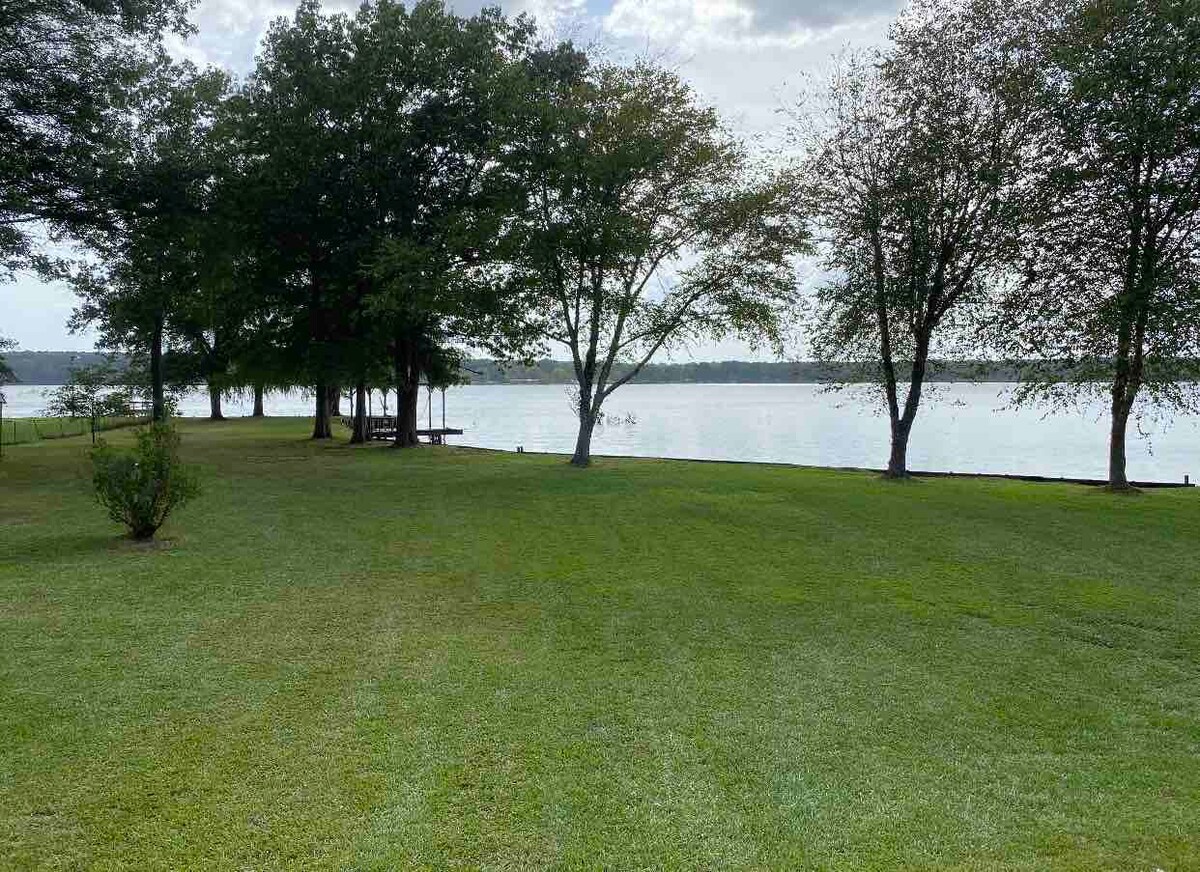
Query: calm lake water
column 965, row 428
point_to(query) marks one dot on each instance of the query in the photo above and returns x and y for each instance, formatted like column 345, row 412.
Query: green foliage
column 6, row 373
column 140, row 488
column 65, row 70
column 642, row 224
column 399, row 181
column 298, row 194
column 96, row 391
column 162, row 250
column 367, row 142
column 916, row 174
column 1118, row 178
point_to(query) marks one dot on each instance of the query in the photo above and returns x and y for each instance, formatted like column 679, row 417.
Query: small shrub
column 141, row 487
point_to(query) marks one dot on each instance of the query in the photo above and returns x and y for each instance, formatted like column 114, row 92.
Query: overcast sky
column 746, row 57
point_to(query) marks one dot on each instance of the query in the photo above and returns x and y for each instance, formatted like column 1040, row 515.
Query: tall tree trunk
column 1131, row 334
column 158, row 399
column 321, row 428
column 214, row 403
column 406, row 412
column 406, row 393
column 1122, row 403
column 898, row 459
column 334, row 392
column 258, row 402
column 1117, row 477
column 359, row 435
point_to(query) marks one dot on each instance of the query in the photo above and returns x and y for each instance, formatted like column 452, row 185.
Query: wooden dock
column 384, row 427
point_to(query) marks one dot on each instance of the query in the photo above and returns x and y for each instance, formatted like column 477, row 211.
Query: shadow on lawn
column 68, row 547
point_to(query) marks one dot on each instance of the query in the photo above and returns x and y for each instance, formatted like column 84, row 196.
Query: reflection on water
column 965, row 428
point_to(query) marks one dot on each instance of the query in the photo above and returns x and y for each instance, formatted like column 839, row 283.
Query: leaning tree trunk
column 214, row 403
column 321, row 428
column 902, row 423
column 583, row 442
column 158, row 399
column 258, row 402
column 359, row 435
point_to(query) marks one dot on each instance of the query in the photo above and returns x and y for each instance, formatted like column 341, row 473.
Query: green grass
column 355, row 658
column 19, row 431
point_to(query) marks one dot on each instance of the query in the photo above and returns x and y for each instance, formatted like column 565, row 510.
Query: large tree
column 217, row 322
column 1111, row 295
column 643, row 225
column 304, row 208
column 916, row 175
column 369, row 138
column 443, row 98
column 153, row 252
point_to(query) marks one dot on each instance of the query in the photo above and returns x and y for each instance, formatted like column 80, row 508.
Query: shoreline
column 783, row 464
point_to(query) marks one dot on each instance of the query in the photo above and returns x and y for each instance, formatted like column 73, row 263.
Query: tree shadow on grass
column 72, row 547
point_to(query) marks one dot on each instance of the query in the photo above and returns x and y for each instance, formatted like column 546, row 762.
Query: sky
column 748, row 58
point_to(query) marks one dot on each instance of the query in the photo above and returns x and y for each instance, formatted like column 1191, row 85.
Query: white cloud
column 748, row 76
column 679, row 22
column 746, row 24
column 552, row 15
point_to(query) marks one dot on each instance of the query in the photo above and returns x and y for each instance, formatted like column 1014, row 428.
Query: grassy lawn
column 16, row 431
column 353, row 658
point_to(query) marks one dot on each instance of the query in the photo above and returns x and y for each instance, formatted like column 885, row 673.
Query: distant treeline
column 54, row 368
column 729, row 372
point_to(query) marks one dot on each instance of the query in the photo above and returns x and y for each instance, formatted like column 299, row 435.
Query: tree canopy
column 917, row 178
column 367, row 142
column 1110, row 297
column 643, row 224
column 157, row 251
column 66, row 67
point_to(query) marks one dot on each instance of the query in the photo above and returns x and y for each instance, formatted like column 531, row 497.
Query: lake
column 965, row 428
